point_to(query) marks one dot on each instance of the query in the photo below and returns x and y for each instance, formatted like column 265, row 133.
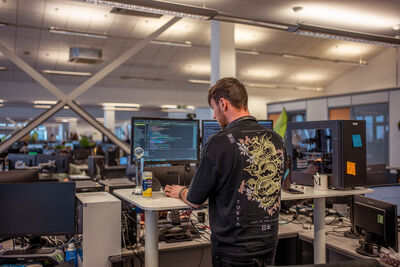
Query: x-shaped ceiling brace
column 69, row 99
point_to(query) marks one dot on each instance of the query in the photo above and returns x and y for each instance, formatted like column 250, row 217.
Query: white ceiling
column 28, row 36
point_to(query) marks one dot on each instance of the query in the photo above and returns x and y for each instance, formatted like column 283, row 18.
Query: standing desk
column 319, row 213
column 159, row 201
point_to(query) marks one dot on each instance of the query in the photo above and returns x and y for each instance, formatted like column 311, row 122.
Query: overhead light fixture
column 159, row 7
column 70, row 73
column 262, row 85
column 305, row 88
column 184, row 44
column 3, row 69
column 44, row 102
column 294, row 56
column 177, row 108
column 65, row 119
column 337, row 34
column 1, row 103
column 77, row 33
column 42, row 106
column 198, row 81
column 247, row 52
column 125, row 77
column 121, row 106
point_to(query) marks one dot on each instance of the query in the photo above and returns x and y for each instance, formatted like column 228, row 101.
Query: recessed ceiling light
column 71, row 73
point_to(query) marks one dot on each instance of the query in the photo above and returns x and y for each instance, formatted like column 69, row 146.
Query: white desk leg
column 319, row 231
column 151, row 239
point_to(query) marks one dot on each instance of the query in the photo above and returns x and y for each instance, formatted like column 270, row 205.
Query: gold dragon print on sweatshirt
column 265, row 168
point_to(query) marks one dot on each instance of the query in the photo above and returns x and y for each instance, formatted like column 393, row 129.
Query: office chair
column 353, row 263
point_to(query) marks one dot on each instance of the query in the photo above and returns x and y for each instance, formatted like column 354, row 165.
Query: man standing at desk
column 240, row 173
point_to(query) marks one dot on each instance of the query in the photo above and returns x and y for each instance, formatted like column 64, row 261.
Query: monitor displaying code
column 166, row 140
column 209, row 128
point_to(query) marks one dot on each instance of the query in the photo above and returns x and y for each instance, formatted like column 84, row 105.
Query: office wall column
column 73, row 126
column 223, row 57
column 109, row 119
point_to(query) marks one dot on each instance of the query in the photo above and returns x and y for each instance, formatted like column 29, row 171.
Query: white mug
column 321, row 182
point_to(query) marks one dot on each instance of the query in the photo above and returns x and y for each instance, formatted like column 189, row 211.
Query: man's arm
column 179, row 192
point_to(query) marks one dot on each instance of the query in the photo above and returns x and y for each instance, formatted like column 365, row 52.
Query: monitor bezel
column 132, row 158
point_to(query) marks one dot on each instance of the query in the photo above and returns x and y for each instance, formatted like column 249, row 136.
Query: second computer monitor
column 211, row 127
column 166, row 140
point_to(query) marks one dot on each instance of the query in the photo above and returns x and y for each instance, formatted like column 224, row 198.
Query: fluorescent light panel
column 198, row 81
column 327, row 33
column 44, row 102
column 42, row 106
column 70, row 73
column 129, row 105
column 159, row 7
column 184, row 44
column 76, row 33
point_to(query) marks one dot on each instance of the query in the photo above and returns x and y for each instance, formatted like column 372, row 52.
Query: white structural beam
column 222, row 49
column 30, row 126
column 31, row 72
column 68, row 99
column 119, row 61
column 92, row 121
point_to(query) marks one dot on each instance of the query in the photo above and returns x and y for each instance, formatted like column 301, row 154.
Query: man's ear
column 224, row 103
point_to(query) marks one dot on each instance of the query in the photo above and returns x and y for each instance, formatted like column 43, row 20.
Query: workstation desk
column 159, row 201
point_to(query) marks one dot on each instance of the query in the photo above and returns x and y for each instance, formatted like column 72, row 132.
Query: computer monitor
column 61, row 162
column 376, row 222
column 19, row 176
column 26, row 159
column 111, row 156
column 165, row 140
column 211, row 127
column 38, row 148
column 387, row 193
column 37, row 209
column 169, row 175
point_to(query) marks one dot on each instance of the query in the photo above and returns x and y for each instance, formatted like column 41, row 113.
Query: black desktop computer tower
column 336, row 148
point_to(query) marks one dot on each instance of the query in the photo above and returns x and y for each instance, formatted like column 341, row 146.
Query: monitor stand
column 367, row 247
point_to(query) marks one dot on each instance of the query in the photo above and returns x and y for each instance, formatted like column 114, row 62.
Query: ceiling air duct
column 85, row 55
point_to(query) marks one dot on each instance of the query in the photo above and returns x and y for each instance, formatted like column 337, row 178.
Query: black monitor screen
column 166, row 140
column 211, row 127
column 377, row 220
column 36, row 209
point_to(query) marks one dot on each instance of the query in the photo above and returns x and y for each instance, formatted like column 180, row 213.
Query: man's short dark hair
column 232, row 90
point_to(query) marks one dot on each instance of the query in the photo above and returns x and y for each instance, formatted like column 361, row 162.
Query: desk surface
column 158, row 202
column 311, row 193
column 161, row 202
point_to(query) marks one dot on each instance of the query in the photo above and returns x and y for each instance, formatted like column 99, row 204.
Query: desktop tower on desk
column 99, row 222
column 336, row 148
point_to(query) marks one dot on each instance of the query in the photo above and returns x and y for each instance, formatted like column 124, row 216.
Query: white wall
column 380, row 73
column 317, row 109
column 394, row 132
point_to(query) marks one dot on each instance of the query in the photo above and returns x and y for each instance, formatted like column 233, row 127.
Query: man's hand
column 173, row 190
